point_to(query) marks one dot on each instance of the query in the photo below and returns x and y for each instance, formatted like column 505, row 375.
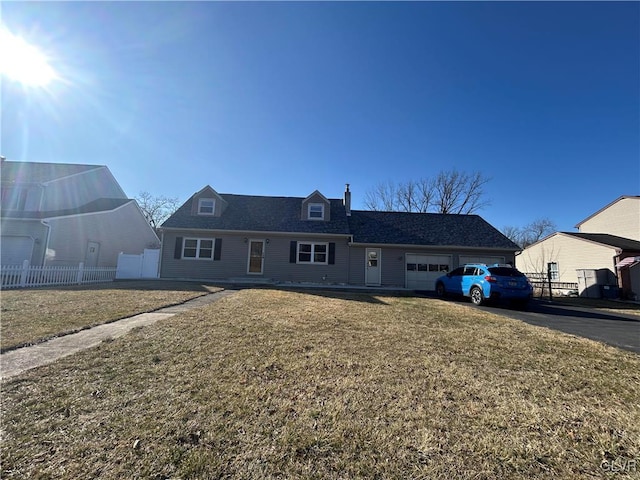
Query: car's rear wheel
column 440, row 291
column 476, row 296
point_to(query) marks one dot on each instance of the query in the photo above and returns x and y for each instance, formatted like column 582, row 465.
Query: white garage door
column 486, row 260
column 14, row 250
column 423, row 270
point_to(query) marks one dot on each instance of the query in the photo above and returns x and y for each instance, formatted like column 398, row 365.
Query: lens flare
column 22, row 62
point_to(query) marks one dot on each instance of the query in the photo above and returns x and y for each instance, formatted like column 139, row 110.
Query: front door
column 256, row 257
column 93, row 250
column 372, row 273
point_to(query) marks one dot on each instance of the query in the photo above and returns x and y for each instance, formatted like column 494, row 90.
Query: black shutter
column 293, row 251
column 217, row 249
column 332, row 253
column 177, row 253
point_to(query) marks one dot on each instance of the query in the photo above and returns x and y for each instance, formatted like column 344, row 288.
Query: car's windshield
column 505, row 272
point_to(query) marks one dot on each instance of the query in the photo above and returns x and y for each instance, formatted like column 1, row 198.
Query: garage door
column 423, row 270
column 486, row 260
column 14, row 250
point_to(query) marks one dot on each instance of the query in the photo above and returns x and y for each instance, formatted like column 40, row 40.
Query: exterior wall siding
column 234, row 259
column 621, row 219
column 569, row 253
column 121, row 230
column 393, row 262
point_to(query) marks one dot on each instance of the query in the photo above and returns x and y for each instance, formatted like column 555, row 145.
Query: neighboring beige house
column 64, row 214
column 605, row 251
column 621, row 218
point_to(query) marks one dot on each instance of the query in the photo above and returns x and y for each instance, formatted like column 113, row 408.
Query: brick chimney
column 347, row 200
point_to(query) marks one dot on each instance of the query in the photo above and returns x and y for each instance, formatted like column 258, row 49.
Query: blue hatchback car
column 480, row 283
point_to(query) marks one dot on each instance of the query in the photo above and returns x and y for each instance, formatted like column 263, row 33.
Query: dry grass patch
column 272, row 384
column 30, row 316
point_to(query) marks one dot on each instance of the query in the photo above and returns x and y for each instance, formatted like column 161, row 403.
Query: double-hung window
column 198, row 248
column 316, row 211
column 552, row 269
column 206, row 206
column 313, row 253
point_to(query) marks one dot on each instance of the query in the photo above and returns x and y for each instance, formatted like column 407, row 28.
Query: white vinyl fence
column 138, row 266
column 23, row 276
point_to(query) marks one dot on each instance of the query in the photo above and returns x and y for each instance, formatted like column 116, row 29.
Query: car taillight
column 491, row 279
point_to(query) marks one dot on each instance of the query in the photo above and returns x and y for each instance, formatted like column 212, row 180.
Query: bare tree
column 449, row 192
column 538, row 229
column 458, row 192
column 530, row 233
column 156, row 209
column 513, row 233
column 383, row 197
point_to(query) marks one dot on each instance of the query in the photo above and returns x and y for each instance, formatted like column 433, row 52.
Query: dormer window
column 206, row 206
column 316, row 211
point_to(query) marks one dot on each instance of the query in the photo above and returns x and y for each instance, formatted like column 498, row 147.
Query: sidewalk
column 15, row 362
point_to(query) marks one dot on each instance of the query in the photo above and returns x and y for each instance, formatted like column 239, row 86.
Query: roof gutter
column 436, row 247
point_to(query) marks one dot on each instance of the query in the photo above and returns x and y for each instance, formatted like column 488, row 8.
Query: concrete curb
column 17, row 361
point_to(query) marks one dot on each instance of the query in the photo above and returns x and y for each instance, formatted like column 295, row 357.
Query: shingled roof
column 32, row 172
column 261, row 214
column 283, row 214
column 606, row 239
column 399, row 228
column 99, row 205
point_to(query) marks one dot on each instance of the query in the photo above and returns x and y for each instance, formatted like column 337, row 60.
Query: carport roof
column 400, row 228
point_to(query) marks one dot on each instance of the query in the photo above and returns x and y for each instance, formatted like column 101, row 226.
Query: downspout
column 161, row 252
column 349, row 243
column 46, row 243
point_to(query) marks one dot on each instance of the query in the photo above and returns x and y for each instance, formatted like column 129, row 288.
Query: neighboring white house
column 606, row 249
column 64, row 214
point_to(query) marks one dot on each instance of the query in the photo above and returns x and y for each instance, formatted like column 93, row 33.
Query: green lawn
column 271, row 384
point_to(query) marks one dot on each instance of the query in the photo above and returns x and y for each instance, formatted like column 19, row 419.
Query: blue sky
column 284, row 98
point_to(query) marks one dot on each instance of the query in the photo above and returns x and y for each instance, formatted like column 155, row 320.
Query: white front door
column 256, row 257
column 93, row 250
column 372, row 272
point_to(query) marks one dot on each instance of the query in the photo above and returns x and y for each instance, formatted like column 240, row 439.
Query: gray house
column 58, row 214
column 321, row 241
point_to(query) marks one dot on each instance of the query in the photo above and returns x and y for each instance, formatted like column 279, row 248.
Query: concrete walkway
column 17, row 361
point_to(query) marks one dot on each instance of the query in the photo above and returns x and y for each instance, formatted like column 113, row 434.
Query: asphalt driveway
column 615, row 329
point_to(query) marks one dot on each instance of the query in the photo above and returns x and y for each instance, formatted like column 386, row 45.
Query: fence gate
column 138, row 266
